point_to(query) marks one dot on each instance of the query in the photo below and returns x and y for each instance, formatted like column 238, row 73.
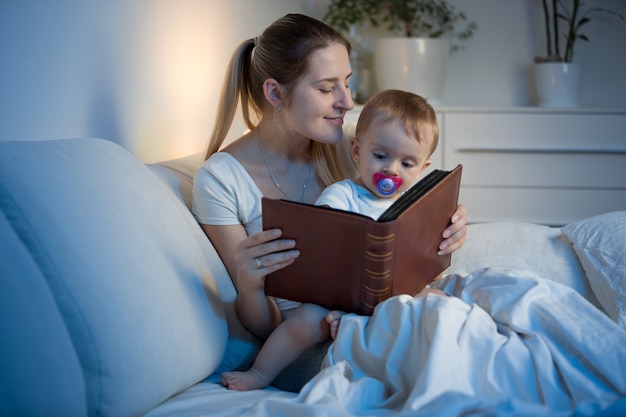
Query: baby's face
column 387, row 152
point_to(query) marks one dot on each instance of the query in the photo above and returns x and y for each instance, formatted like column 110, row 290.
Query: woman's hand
column 261, row 254
column 454, row 235
column 239, row 253
column 255, row 257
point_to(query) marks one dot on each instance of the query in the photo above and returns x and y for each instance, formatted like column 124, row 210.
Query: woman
column 295, row 78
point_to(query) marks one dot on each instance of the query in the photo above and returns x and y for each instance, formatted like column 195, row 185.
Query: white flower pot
column 558, row 84
column 412, row 64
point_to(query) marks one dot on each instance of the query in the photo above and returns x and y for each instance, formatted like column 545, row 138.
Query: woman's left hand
column 454, row 235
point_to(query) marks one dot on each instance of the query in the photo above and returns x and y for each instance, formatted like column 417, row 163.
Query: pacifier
column 385, row 184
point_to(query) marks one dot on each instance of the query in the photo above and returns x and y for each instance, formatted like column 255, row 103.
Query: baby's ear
column 427, row 163
column 355, row 149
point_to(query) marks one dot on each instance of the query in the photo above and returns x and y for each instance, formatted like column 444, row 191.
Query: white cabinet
column 532, row 164
column 543, row 166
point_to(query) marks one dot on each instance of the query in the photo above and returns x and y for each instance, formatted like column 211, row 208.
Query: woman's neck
column 280, row 142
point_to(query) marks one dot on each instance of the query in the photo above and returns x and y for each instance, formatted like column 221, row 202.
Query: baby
column 395, row 136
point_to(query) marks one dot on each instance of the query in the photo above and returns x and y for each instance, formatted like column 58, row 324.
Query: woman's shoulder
column 221, row 164
column 224, row 170
column 221, row 159
column 223, row 192
column 239, row 155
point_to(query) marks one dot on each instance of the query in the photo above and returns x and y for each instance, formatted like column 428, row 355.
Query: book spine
column 377, row 268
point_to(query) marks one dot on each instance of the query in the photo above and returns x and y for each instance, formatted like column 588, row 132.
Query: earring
column 279, row 107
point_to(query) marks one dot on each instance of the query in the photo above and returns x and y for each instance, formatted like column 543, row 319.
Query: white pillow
column 600, row 243
column 522, row 246
column 177, row 174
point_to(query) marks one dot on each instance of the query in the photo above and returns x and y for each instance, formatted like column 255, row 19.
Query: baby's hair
column 282, row 52
column 417, row 116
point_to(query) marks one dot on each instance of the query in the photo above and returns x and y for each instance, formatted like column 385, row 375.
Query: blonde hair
column 282, row 52
column 417, row 116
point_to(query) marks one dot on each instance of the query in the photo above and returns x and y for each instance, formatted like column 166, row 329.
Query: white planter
column 558, row 84
column 412, row 64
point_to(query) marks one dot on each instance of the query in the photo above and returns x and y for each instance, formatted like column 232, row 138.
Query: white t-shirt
column 225, row 194
column 347, row 195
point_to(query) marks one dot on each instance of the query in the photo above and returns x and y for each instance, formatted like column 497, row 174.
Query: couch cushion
column 177, row 174
column 39, row 366
column 242, row 346
column 129, row 267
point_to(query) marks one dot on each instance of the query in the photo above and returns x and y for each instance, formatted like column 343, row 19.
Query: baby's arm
column 334, row 318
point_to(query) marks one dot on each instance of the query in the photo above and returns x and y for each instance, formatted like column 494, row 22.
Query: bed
column 114, row 303
column 521, row 273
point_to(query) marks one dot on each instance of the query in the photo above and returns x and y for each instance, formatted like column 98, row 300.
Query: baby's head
column 395, row 136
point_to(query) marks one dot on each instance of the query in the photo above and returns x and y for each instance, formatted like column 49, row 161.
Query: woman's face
column 322, row 97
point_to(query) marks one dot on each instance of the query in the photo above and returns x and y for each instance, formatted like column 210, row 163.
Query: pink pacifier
column 385, row 184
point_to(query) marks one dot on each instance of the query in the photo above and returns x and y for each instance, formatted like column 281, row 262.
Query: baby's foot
column 334, row 318
column 243, row 381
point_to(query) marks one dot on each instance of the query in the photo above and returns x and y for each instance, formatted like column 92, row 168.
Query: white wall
column 147, row 73
column 495, row 67
column 144, row 73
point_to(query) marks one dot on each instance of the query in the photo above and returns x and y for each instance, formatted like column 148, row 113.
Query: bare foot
column 243, row 381
column 334, row 318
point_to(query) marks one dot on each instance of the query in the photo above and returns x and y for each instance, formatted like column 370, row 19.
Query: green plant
column 574, row 19
column 410, row 18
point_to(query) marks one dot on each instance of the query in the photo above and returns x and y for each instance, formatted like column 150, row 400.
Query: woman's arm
column 257, row 312
column 454, row 235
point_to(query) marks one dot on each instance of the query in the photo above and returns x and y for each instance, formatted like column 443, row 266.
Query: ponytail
column 236, row 87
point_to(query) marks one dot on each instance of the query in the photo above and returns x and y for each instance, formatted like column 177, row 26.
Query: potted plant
column 557, row 77
column 423, row 33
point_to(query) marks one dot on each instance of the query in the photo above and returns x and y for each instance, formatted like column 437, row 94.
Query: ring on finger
column 259, row 262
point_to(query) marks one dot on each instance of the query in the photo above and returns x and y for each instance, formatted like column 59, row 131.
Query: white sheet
column 547, row 351
column 508, row 343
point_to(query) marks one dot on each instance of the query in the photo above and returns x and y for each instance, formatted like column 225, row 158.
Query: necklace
column 273, row 177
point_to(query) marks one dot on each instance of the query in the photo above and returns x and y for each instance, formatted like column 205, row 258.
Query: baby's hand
column 333, row 318
column 428, row 290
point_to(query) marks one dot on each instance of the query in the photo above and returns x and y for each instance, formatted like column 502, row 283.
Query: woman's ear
column 273, row 92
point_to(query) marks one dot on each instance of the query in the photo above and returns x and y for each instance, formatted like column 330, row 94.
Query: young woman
column 294, row 78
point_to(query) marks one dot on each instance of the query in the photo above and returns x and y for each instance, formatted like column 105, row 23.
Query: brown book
column 351, row 262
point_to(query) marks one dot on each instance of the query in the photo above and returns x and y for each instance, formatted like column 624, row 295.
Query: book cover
column 351, row 262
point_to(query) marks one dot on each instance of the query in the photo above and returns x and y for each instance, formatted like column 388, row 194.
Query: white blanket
column 507, row 343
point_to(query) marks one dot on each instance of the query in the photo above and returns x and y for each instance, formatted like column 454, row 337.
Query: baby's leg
column 303, row 328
